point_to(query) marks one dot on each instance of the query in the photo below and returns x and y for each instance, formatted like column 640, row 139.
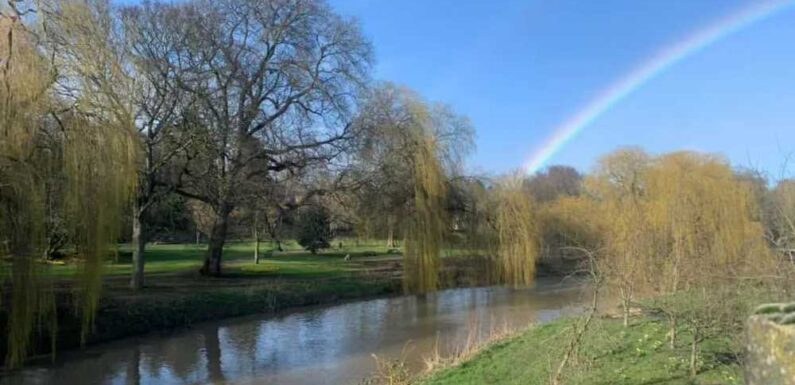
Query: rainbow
column 658, row 63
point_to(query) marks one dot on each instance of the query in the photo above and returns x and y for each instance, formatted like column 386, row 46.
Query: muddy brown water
column 321, row 345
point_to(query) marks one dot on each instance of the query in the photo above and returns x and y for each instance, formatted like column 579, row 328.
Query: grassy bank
column 176, row 296
column 610, row 355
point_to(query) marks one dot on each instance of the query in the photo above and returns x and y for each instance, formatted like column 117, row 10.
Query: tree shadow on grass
column 665, row 380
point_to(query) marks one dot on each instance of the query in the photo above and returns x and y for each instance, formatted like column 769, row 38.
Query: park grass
column 610, row 355
column 238, row 257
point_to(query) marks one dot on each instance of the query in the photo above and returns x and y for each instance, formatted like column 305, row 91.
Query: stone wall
column 770, row 346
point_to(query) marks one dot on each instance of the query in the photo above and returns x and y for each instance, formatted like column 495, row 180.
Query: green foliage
column 314, row 228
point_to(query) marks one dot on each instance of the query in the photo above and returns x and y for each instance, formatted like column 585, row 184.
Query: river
column 319, row 345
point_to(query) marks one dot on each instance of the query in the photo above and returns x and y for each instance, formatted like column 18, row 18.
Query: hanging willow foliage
column 426, row 229
column 100, row 164
column 97, row 159
column 518, row 236
column 100, row 146
column 703, row 216
column 25, row 81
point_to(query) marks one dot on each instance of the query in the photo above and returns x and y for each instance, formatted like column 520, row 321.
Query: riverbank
column 176, row 297
column 610, row 354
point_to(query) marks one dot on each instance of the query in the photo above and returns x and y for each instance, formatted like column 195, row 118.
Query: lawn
column 611, row 355
column 239, row 259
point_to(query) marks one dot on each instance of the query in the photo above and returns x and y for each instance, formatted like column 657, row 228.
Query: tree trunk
column 390, row 236
column 198, row 236
column 626, row 313
column 273, row 230
column 625, row 304
column 694, row 354
column 672, row 342
column 215, row 249
column 256, row 240
column 139, row 246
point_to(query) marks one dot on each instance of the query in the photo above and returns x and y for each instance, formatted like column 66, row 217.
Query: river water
column 321, row 345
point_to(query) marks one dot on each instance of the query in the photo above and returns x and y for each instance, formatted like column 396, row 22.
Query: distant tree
column 270, row 201
column 554, row 182
column 619, row 173
column 780, row 221
column 169, row 218
column 570, row 224
column 470, row 205
column 314, row 228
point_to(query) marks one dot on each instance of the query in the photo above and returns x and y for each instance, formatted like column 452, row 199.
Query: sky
column 520, row 68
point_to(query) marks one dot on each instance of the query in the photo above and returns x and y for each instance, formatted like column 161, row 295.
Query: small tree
column 314, row 230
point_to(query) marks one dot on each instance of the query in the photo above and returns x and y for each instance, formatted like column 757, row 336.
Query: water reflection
column 332, row 345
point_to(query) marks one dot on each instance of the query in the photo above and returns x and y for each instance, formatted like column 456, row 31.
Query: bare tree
column 160, row 107
column 274, row 83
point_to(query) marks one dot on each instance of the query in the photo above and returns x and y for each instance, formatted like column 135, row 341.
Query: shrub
column 314, row 230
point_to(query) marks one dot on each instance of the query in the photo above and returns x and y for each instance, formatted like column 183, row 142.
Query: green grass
column 238, row 259
column 610, row 355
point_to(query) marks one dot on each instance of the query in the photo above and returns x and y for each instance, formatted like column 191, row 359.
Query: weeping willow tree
column 25, row 83
column 42, row 133
column 708, row 242
column 407, row 153
column 426, row 230
column 517, row 233
column 703, row 216
column 679, row 222
column 100, row 164
column 101, row 148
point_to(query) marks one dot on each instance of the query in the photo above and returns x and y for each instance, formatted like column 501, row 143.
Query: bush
column 314, row 230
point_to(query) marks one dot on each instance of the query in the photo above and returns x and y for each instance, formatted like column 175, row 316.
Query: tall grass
column 397, row 372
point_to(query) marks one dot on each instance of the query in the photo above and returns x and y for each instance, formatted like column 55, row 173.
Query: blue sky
column 518, row 68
